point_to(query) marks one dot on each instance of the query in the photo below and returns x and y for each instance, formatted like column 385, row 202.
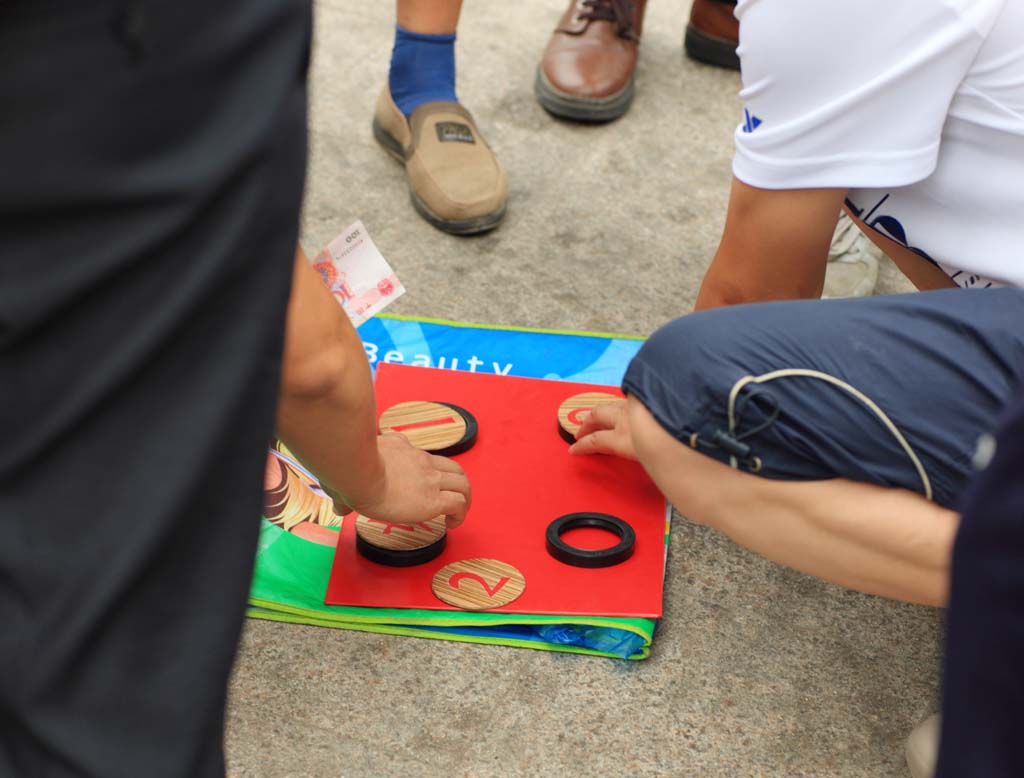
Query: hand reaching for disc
column 416, row 486
column 605, row 430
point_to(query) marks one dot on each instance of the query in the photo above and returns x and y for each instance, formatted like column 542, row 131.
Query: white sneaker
column 852, row 269
column 923, row 747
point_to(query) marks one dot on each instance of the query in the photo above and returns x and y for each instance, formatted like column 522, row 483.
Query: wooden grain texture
column 426, row 425
column 400, row 537
column 575, row 406
column 478, row 584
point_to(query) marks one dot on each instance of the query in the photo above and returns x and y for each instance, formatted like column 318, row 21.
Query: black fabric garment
column 940, row 365
column 983, row 684
column 152, row 157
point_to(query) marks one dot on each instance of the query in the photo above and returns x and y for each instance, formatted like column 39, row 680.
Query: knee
column 680, row 372
column 688, row 340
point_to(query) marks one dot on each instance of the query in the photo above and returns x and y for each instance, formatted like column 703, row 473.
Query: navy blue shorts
column 891, row 390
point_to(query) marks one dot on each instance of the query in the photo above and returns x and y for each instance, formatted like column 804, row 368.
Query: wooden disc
column 427, row 425
column 478, row 584
column 573, row 409
column 400, row 537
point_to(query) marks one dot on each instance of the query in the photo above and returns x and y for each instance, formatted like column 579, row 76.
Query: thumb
column 454, row 507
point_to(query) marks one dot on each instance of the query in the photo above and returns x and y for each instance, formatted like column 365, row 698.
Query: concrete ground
column 756, row 670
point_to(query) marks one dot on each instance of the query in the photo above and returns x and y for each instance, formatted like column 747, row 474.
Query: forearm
column 888, row 542
column 326, row 412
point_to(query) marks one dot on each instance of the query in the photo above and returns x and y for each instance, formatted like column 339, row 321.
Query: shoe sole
column 710, row 49
column 582, row 109
column 472, row 226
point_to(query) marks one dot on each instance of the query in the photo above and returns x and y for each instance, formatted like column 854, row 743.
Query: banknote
column 357, row 274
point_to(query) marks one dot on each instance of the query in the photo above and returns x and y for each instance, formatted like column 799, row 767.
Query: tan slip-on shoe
column 455, row 180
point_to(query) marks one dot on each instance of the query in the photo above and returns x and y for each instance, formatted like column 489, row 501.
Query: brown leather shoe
column 587, row 70
column 713, row 33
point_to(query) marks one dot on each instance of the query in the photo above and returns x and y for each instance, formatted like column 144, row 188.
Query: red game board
column 523, row 478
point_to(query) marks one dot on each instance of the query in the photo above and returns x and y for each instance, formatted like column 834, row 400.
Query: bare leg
column 459, row 187
column 430, row 17
column 890, row 542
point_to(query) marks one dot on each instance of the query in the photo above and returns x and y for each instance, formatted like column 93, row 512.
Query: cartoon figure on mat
column 294, row 501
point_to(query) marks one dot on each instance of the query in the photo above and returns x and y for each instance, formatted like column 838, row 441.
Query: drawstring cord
column 732, row 442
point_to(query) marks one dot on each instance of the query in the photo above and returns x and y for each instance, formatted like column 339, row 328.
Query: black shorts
column 982, row 686
column 152, row 158
column 890, row 390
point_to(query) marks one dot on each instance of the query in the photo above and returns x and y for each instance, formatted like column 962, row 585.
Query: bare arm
column 774, row 245
column 326, row 415
column 889, row 542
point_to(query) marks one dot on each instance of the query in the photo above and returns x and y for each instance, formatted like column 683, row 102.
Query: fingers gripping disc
column 573, row 410
column 585, row 557
column 400, row 545
column 440, row 428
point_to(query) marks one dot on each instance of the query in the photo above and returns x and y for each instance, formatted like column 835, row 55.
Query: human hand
column 605, row 430
column 416, row 486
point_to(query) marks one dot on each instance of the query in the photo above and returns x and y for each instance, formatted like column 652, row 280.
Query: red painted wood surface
column 523, row 478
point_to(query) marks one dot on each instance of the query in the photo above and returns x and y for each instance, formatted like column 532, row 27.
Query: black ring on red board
column 397, row 558
column 585, row 557
column 465, row 443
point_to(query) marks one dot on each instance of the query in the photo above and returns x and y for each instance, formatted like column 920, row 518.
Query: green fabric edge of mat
column 271, row 611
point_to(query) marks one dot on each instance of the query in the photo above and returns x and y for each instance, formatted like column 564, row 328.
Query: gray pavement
column 756, row 670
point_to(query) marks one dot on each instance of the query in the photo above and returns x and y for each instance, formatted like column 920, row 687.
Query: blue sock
column 422, row 69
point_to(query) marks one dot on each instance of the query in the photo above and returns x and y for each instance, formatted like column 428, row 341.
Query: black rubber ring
column 584, row 557
column 465, row 443
column 395, row 558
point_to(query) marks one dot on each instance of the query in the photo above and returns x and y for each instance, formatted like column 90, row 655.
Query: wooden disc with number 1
column 437, row 427
column 574, row 409
column 400, row 545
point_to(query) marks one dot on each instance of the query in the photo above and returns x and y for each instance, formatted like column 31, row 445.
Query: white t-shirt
column 916, row 106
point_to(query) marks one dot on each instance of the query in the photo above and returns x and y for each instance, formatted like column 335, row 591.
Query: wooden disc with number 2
column 440, row 428
column 478, row 584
